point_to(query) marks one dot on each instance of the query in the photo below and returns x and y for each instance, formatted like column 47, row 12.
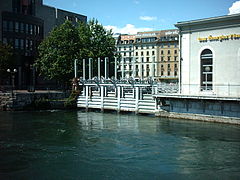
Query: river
column 93, row 145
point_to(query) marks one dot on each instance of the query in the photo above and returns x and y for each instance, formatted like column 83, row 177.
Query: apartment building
column 168, row 55
column 149, row 54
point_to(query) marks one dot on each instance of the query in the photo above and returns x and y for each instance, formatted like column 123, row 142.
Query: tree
column 68, row 42
column 6, row 60
column 57, row 53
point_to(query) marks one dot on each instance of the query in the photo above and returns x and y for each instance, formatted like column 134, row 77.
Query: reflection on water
column 81, row 145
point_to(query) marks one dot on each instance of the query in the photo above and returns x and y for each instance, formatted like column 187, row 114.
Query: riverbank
column 24, row 100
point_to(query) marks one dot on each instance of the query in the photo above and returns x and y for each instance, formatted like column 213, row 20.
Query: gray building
column 23, row 25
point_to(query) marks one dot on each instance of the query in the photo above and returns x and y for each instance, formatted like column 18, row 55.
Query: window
column 162, row 58
column 153, row 53
column 22, row 27
column 10, row 26
column 162, row 52
column 169, row 72
column 136, row 53
column 130, row 53
column 175, row 73
column 119, row 48
column 168, row 51
column 162, row 72
column 153, row 47
column 22, row 44
column 16, row 26
column 31, row 45
column 124, row 54
column 147, row 53
column 124, row 47
column 4, row 40
column 26, row 29
column 147, row 59
column 175, row 58
column 175, row 45
column 175, row 51
column 142, row 53
column 147, row 47
column 136, row 47
column 141, row 47
column 169, row 58
column 5, row 28
column 206, row 69
column 31, row 29
column 26, row 44
column 38, row 30
column 168, row 66
column 16, row 43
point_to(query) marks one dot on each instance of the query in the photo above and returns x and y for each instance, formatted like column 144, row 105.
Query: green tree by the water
column 68, row 42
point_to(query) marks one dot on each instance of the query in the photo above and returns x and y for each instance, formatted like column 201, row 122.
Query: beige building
column 149, row 54
column 168, row 51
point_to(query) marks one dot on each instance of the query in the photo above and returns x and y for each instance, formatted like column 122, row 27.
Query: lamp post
column 12, row 72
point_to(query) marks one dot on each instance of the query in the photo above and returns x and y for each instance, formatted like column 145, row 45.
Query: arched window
column 206, row 70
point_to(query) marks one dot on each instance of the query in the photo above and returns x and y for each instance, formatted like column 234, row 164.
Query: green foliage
column 68, row 42
column 57, row 52
column 71, row 101
column 6, row 59
column 41, row 103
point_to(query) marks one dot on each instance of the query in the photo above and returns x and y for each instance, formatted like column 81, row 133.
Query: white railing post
column 136, row 99
column 102, row 97
column 84, row 70
column 90, row 68
column 118, row 98
column 87, row 94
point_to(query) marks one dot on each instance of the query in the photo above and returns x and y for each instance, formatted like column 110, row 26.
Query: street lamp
column 12, row 76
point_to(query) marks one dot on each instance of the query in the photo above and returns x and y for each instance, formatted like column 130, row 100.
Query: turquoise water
column 81, row 145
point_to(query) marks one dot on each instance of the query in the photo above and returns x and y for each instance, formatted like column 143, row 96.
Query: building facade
column 210, row 56
column 23, row 25
column 149, row 54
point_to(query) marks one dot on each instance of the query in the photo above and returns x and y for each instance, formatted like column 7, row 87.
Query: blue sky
column 131, row 16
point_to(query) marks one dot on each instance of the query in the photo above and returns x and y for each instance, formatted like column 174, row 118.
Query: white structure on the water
column 210, row 56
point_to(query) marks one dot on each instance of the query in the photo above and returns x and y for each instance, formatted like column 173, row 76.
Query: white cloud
column 127, row 29
column 136, row 2
column 235, row 8
column 148, row 18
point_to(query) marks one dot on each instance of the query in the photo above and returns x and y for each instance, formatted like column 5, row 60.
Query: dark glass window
column 5, row 26
column 10, row 26
column 16, row 27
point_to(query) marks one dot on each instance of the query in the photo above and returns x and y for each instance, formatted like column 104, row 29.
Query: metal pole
column 106, row 67
column 75, row 68
column 115, row 68
column 90, row 68
column 99, row 68
column 84, row 70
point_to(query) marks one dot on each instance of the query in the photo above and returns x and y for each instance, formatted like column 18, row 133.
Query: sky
column 132, row 16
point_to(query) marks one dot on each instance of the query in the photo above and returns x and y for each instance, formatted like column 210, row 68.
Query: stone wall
column 20, row 101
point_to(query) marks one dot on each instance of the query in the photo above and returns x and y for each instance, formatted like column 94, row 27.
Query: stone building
column 149, row 54
column 23, row 25
column 210, row 54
